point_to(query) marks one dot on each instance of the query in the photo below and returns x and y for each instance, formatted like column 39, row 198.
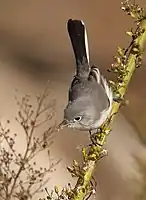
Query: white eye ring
column 78, row 118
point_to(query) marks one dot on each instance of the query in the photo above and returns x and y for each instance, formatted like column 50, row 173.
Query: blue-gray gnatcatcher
column 90, row 97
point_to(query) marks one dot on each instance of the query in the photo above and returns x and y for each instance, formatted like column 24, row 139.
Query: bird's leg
column 91, row 137
column 94, row 139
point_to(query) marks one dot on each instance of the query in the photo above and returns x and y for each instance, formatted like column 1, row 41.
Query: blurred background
column 35, row 48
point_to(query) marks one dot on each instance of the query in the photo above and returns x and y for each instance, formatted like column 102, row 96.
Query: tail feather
column 79, row 41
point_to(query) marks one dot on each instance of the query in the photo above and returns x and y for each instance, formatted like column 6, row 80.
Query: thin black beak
column 63, row 124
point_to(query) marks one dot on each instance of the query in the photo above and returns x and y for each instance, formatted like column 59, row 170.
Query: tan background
column 34, row 47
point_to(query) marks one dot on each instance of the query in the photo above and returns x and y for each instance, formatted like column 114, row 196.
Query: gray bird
column 90, row 98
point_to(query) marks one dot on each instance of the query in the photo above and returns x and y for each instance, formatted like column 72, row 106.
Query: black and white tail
column 79, row 41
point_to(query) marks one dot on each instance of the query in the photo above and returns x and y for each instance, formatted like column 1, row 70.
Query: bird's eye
column 78, row 118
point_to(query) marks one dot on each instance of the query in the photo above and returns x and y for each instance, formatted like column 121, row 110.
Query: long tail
column 79, row 41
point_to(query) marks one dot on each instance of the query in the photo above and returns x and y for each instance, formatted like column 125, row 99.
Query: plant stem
column 24, row 160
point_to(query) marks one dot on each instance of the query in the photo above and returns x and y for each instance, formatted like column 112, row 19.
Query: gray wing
column 95, row 76
column 89, row 90
column 94, row 88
